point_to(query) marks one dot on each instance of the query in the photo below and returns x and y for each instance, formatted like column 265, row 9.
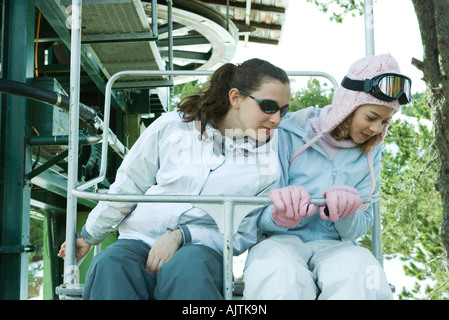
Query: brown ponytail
column 212, row 103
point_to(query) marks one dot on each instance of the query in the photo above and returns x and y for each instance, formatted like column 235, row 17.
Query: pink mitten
column 342, row 201
column 290, row 205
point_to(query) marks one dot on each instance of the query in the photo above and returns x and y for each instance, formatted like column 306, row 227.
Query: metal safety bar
column 233, row 209
column 107, row 105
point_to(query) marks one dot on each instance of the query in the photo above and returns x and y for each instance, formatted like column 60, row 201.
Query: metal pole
column 170, row 35
column 227, row 15
column 117, row 197
column 314, row 74
column 59, row 140
column 369, row 27
column 154, row 18
column 228, row 249
column 377, row 234
column 72, row 176
column 17, row 47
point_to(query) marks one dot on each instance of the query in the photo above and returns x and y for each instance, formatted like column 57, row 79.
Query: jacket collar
column 214, row 135
column 298, row 123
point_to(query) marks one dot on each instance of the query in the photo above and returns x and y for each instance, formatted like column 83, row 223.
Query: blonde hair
column 342, row 131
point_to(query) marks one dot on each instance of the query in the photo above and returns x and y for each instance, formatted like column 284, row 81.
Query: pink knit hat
column 346, row 101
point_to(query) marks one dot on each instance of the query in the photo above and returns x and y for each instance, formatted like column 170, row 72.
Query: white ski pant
column 284, row 267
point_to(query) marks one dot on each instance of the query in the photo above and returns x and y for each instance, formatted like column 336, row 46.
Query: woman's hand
column 163, row 249
column 82, row 248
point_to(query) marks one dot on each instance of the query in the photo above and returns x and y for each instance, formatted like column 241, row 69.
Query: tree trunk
column 434, row 25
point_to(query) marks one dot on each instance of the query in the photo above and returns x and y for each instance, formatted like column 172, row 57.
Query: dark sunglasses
column 268, row 106
column 386, row 87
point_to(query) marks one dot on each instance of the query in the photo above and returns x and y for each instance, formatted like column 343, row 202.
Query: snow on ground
column 413, row 120
column 239, row 265
column 37, row 268
column 394, row 269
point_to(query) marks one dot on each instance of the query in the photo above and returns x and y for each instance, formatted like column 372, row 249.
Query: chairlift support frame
column 233, row 209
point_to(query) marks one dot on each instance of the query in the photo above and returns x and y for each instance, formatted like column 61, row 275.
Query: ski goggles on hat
column 386, row 87
column 268, row 106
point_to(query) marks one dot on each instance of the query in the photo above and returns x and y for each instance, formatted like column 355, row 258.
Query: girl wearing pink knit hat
column 309, row 252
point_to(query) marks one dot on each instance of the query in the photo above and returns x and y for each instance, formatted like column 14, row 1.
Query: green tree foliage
column 313, row 95
column 187, row 89
column 411, row 207
column 339, row 8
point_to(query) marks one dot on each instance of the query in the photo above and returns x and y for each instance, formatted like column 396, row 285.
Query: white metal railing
column 228, row 212
column 232, row 207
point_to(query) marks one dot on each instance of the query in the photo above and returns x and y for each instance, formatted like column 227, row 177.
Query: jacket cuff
column 186, row 236
column 185, row 232
column 89, row 238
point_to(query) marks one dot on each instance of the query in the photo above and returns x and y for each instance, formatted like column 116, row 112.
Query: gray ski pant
column 195, row 272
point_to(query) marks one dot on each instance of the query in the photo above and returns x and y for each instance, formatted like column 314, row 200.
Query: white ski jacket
column 173, row 158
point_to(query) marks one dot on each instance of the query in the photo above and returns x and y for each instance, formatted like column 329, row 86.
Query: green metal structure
column 116, row 35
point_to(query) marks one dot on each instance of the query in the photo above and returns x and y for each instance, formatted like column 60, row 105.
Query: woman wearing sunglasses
column 216, row 143
column 334, row 153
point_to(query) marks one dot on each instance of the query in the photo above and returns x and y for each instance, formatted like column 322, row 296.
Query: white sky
column 311, row 42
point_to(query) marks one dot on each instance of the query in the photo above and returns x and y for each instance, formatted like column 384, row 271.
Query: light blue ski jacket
column 314, row 171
